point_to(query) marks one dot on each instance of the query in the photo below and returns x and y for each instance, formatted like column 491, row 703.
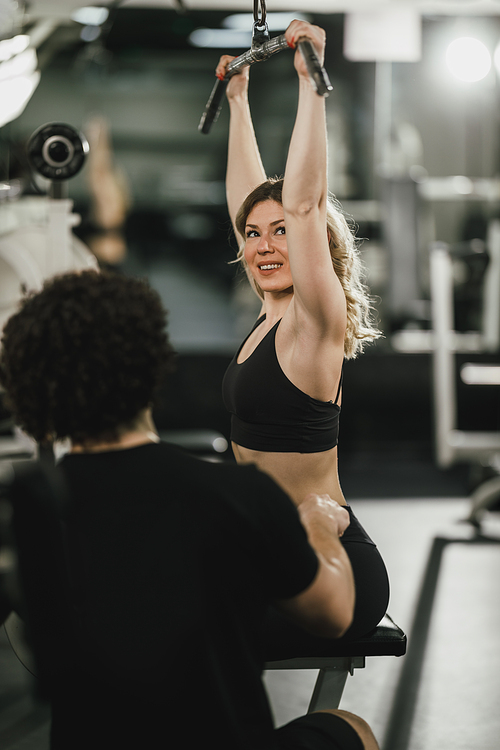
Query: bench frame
column 386, row 640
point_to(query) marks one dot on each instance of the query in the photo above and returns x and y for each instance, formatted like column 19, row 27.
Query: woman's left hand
column 299, row 30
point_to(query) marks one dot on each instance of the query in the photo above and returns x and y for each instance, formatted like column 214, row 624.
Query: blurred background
column 414, row 158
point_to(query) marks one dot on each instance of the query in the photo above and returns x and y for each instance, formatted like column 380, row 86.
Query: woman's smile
column 267, row 268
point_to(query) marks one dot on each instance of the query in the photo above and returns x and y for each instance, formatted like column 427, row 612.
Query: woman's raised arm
column 244, row 165
column 318, row 295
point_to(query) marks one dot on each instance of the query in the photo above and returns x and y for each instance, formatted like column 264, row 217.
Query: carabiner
column 260, row 35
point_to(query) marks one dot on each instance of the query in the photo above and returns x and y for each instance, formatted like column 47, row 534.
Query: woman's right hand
column 299, row 30
column 238, row 84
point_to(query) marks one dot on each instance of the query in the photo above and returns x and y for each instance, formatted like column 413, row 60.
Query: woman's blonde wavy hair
column 346, row 261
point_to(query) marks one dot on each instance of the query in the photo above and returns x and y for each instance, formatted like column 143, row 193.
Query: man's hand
column 322, row 509
column 326, row 607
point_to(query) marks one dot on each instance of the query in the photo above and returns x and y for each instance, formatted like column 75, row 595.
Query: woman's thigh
column 282, row 639
column 372, row 588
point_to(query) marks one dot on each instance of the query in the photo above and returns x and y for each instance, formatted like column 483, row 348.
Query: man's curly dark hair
column 85, row 355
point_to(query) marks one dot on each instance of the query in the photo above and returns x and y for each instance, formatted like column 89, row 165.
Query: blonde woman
column 284, row 385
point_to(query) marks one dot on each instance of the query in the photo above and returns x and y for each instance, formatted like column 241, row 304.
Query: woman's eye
column 252, row 233
column 280, row 230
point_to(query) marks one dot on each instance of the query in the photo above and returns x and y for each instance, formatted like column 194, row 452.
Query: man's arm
column 326, row 607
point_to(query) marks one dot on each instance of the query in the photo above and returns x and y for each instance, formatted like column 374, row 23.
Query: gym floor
column 447, row 686
column 452, row 674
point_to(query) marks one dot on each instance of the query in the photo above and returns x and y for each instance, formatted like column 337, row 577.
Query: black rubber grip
column 317, row 73
column 213, row 106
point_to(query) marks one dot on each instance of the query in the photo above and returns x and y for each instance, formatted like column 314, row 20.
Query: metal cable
column 263, row 12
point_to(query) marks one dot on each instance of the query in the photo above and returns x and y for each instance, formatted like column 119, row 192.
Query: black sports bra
column 268, row 412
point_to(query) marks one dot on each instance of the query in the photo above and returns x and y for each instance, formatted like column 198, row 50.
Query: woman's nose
column 263, row 246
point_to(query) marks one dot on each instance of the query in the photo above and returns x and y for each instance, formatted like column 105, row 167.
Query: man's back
column 173, row 561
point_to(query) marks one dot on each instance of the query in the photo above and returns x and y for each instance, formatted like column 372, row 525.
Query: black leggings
column 283, row 639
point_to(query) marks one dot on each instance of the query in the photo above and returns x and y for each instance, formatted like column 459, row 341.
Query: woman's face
column 266, row 252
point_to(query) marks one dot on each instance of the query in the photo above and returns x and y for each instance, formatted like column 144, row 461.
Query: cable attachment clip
column 260, row 35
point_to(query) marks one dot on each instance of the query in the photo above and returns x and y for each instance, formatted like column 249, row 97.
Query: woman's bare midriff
column 298, row 474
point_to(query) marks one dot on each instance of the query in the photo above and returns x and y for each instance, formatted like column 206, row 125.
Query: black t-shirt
column 174, row 561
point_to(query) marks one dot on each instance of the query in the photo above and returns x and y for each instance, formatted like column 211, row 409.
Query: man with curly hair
column 168, row 562
column 86, row 358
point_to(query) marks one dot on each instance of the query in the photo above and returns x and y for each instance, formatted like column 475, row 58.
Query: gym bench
column 342, row 658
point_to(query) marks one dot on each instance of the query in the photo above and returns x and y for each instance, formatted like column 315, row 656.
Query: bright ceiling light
column 20, row 65
column 14, row 46
column 18, row 77
column 237, row 31
column 90, row 16
column 275, row 21
column 496, row 58
column 221, row 38
column 463, row 185
column 468, row 59
column 15, row 93
column 90, row 33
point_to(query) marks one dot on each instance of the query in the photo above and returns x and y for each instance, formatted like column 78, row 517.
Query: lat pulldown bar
column 262, row 48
